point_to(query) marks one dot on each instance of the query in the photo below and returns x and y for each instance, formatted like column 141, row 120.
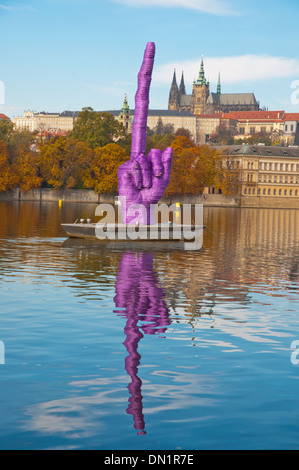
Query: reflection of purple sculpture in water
column 138, row 293
column 143, row 179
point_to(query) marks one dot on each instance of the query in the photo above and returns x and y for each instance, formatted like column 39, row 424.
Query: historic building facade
column 44, row 122
column 203, row 101
column 265, row 172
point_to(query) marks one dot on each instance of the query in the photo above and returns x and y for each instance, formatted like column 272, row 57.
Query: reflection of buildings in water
column 259, row 245
column 142, row 300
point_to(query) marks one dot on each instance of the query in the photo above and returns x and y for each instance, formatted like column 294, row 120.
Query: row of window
column 263, row 129
column 253, row 130
column 277, row 166
column 271, row 192
column 291, row 129
column 276, row 179
column 274, row 166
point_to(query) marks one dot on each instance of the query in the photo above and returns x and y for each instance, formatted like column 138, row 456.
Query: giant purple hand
column 143, row 179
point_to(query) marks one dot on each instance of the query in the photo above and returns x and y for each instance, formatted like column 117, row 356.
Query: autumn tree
column 159, row 141
column 104, row 167
column 183, row 132
column 65, row 163
column 7, row 178
column 223, row 136
column 96, row 129
column 228, row 175
column 193, row 167
column 26, row 170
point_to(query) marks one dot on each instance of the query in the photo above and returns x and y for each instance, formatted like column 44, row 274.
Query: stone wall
column 52, row 195
column 208, row 200
column 217, row 200
column 268, row 202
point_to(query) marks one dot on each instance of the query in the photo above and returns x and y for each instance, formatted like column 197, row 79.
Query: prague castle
column 203, row 101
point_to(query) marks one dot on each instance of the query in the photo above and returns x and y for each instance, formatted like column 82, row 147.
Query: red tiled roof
column 291, row 117
column 256, row 115
column 214, row 116
column 273, row 116
column 3, row 116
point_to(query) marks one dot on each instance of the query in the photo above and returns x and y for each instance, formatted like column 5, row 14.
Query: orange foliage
column 26, row 170
column 64, row 163
column 7, row 178
column 193, row 167
column 105, row 165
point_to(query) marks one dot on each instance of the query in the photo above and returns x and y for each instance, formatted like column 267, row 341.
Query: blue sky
column 67, row 54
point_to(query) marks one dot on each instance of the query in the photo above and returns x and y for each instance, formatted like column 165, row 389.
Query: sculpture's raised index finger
column 142, row 102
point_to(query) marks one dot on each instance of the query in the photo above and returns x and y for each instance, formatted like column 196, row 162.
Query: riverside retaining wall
column 208, row 200
column 88, row 196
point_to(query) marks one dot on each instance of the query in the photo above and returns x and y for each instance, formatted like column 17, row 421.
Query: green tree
column 163, row 129
column 19, row 141
column 97, row 129
column 6, row 129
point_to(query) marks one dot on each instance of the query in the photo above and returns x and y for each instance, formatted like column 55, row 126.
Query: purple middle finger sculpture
column 143, row 179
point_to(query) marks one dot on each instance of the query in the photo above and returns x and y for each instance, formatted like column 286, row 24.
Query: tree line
column 88, row 157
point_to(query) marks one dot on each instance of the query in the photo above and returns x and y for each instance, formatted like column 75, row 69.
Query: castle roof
column 256, row 115
column 157, row 112
column 232, row 98
column 261, row 150
column 185, row 100
column 291, row 116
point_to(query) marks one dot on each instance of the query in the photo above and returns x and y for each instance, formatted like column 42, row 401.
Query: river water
column 149, row 349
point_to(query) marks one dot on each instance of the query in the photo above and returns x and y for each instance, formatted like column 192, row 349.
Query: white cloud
column 246, row 68
column 214, row 7
column 16, row 7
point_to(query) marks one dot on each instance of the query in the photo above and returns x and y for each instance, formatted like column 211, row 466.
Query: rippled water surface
column 149, row 349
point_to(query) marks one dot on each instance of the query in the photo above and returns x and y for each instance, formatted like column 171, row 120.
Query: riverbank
column 208, row 200
column 89, row 196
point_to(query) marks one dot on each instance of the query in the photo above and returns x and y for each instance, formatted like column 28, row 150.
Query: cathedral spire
column 182, row 88
column 174, row 95
column 219, row 85
column 174, row 82
column 201, row 78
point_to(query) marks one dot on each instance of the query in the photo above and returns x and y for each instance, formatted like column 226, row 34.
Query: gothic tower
column 200, row 92
column 125, row 116
column 174, row 95
column 182, row 88
column 219, row 85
